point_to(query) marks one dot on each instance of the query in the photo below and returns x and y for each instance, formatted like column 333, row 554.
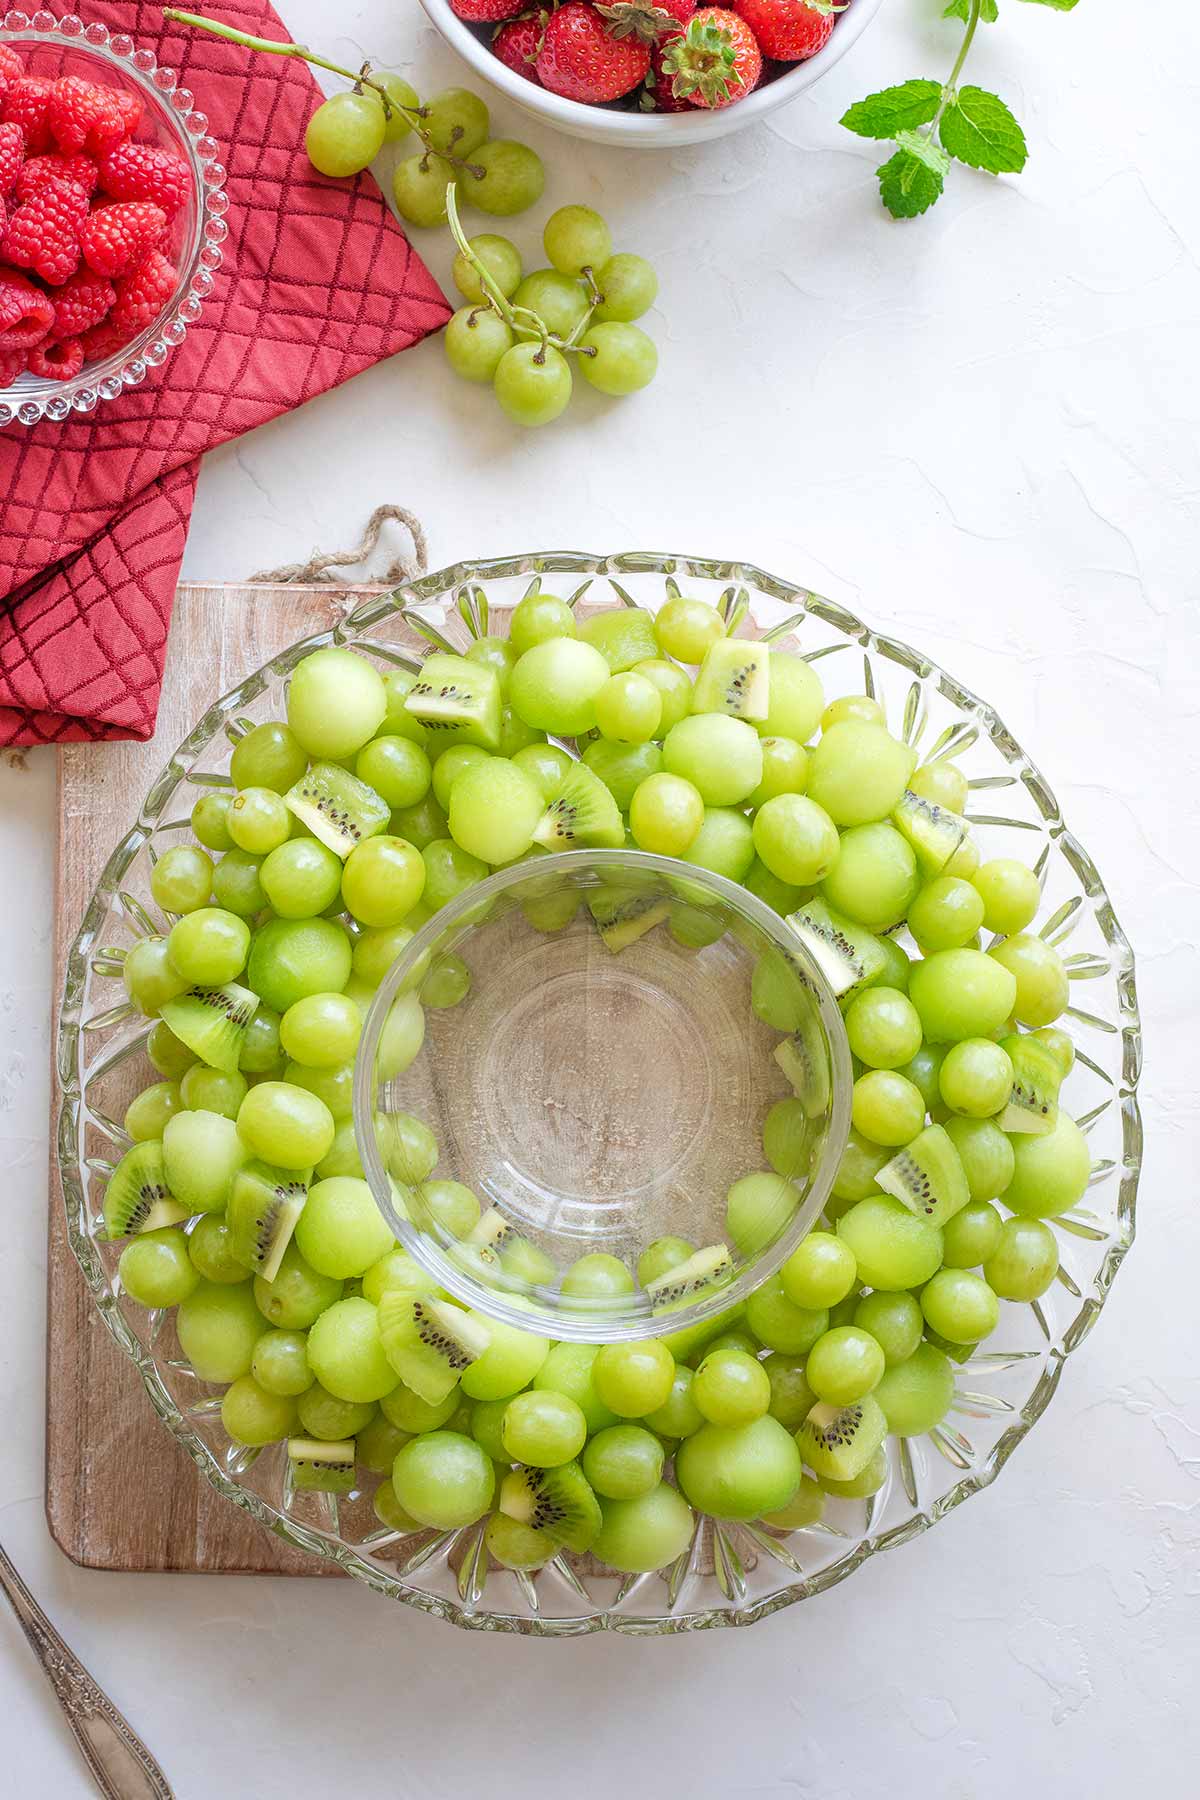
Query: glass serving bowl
column 732, row 1574
column 68, row 46
column 598, row 1098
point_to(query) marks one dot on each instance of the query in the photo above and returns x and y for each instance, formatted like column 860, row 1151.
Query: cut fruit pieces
column 337, row 807
column 264, row 1204
column 559, row 1502
column 212, row 1022
column 624, row 636
column 847, row 955
column 626, row 919
column 705, row 1269
column 581, row 812
column 839, row 1441
column 927, row 1176
column 804, row 1059
column 492, row 1232
column 320, row 1467
column 137, row 1197
column 734, row 678
column 934, row 832
column 429, row 1342
column 1037, row 1077
column 452, row 694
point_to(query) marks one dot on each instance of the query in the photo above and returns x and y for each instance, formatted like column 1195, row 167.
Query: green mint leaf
column 907, row 185
column 988, row 12
column 894, row 109
column 1058, row 5
column 925, row 150
column 978, row 129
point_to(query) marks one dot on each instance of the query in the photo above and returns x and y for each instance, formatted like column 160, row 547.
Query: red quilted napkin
column 318, row 283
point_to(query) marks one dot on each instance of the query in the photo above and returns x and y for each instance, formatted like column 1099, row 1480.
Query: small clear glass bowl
column 68, row 46
column 595, row 1099
column 730, row 1574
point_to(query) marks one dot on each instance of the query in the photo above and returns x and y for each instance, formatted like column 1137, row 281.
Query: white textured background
column 982, row 430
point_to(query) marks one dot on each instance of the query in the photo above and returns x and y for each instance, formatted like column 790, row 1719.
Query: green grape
column 721, row 757
column 285, row 1125
column 960, row 1306
column 687, row 629
column 742, row 1341
column 474, row 341
column 628, row 286
column 883, row 1027
column 554, row 686
column 844, row 1364
column 976, row 1077
column 181, row 880
column 858, row 772
column 964, row 861
column 336, row 702
column 895, row 1321
column 569, row 1369
column 422, row 824
column 795, row 839
column 171, row 1058
column 443, row 1479
column 487, row 1427
column 623, row 1462
column 785, row 1137
column 525, row 1264
column 961, row 994
column 394, row 1269
column 875, row 880
column 494, row 810
column 895, row 971
column 868, row 1481
column 500, row 258
column 382, row 880
column 378, row 1444
column 941, row 783
column 546, row 765
column 1060, row 1047
column 269, row 756
column 147, row 1113
column 503, row 178
column 155, row 1268
column 533, row 385
column 924, row 1072
column 916, row 1394
column 498, row 655
column 341, row 1231
column 456, row 121
column 419, row 189
column 1050, row 1173
column 397, row 720
column 321, row 1031
column 261, row 1052
column 209, row 946
column 210, row 1254
column 510, row 1362
column 887, row 1108
column 661, row 1256
column 860, row 1163
column 597, row 1276
column 253, row 1415
column 323, row 1415
column 666, row 813
column 679, row 1415
column 782, row 896
column 576, row 238
column 342, row 1157
column 345, row 1352
column 515, row 734
column 791, row 1397
column 893, row 1248
column 622, row 767
column 447, row 983
column 634, row 1379
column 946, row 914
column 617, row 359
column 853, row 706
column 334, row 1086
column 297, row 1295
column 779, row 1323
column 280, row 1363
column 537, row 619
column 452, row 1206
column 209, row 821
column 345, row 134
column 397, row 769
column 796, row 698
column 544, row 1429
column 1011, row 895
column 376, row 949
column 301, row 878
column 559, row 302
column 639, row 1535
column 758, row 1208
column 402, row 1037
column 739, row 1472
column 693, row 928
column 628, row 709
column 259, row 821
column 517, row 1546
column 451, row 764
column 237, row 884
column 217, row 1329
column 785, row 770
column 400, row 94
column 803, row 1509
column 212, row 1090
column 1043, row 990
column 819, row 1272
column 731, row 1387
column 674, row 689
column 970, row 1237
column 1024, row 1260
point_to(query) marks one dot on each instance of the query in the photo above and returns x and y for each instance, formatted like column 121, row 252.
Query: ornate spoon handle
column 122, row 1766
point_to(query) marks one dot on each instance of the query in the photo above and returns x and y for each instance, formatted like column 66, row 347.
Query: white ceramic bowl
column 643, row 130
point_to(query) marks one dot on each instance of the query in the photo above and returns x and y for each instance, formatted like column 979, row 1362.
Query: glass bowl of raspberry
column 111, row 215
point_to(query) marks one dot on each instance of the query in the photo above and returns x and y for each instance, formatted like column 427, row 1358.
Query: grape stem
column 522, row 320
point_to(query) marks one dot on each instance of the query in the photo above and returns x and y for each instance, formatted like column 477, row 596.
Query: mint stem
column 973, row 13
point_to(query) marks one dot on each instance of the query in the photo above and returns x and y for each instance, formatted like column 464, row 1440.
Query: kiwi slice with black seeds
column 559, row 1502
column 453, row 694
column 734, row 678
column 701, row 1270
column 582, row 811
column 1032, row 1105
column 337, row 807
column 927, row 1176
column 321, row 1468
column 264, row 1204
column 847, row 955
column 934, row 832
column 137, row 1197
column 429, row 1342
column 839, row 1441
column 212, row 1021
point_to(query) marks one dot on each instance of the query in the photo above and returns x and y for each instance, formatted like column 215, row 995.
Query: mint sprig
column 933, row 123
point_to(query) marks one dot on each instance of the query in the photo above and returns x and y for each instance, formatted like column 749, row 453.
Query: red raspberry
column 141, row 297
column 485, row 12
column 517, row 43
column 81, row 113
column 145, row 172
column 26, row 313
column 12, row 149
column 11, row 66
column 12, row 364
column 41, row 169
column 44, row 232
column 25, row 104
column 81, row 303
column 57, row 362
column 114, row 239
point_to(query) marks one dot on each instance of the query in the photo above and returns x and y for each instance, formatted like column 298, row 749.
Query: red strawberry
column 790, row 30
column 11, row 66
column 26, row 313
column 41, row 169
column 715, row 61
column 81, row 112
column 582, row 59
column 140, row 298
column 650, row 20
column 12, row 362
column 59, row 361
column 44, row 232
column 661, row 97
column 12, row 149
column 485, row 12
column 132, row 171
column 517, row 42
column 114, row 239
column 25, row 104
column 81, row 303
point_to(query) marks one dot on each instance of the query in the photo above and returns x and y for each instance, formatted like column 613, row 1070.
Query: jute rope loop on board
column 322, row 564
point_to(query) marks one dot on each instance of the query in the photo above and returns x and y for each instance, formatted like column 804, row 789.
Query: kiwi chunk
column 337, row 807
column 1037, row 1077
column 429, row 1342
column 837, row 1442
column 581, row 812
column 626, row 920
column 934, row 832
column 847, row 955
column 137, row 1197
column 734, row 678
column 212, row 1022
column 702, row 1270
column 927, row 1176
column 492, row 1232
column 264, row 1204
column 804, row 1059
column 453, row 694
column 321, row 1468
column 559, row 1502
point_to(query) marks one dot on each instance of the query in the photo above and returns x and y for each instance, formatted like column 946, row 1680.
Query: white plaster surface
column 983, row 431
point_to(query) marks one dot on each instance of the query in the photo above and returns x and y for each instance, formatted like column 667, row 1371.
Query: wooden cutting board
column 120, row 1492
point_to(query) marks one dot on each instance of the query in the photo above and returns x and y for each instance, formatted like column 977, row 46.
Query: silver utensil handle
column 121, row 1764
